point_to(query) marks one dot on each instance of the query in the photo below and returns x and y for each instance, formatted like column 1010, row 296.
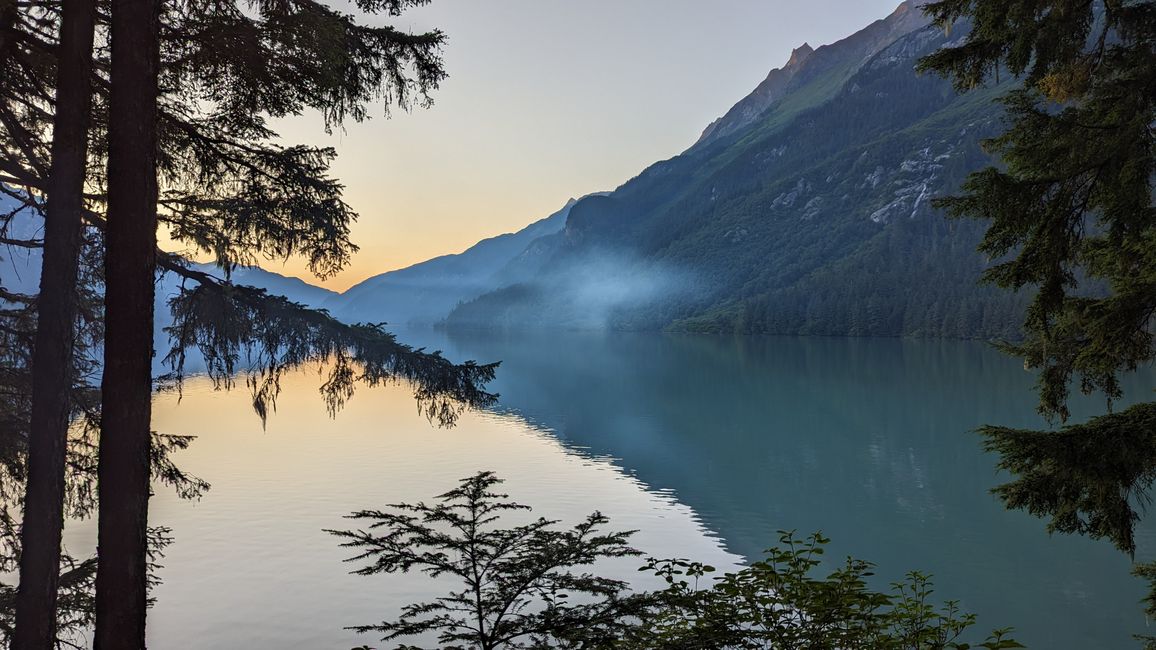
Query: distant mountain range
column 426, row 293
column 422, row 294
column 19, row 266
column 805, row 209
column 20, row 274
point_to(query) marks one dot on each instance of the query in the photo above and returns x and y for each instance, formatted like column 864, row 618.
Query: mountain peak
column 800, row 54
column 806, row 63
column 904, row 7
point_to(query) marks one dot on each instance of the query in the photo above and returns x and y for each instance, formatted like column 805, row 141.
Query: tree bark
column 8, row 16
column 126, row 389
column 52, row 361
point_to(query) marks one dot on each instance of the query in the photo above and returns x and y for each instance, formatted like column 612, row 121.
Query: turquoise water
column 708, row 445
column 868, row 441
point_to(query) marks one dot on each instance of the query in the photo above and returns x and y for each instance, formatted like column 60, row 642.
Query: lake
column 707, row 445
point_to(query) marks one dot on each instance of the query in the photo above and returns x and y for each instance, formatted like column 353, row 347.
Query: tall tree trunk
column 8, row 16
column 126, row 389
column 52, row 358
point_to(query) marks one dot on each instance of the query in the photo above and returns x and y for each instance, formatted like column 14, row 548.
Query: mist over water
column 606, row 282
column 594, row 289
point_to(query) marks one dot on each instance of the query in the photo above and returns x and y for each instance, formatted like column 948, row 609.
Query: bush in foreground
column 530, row 586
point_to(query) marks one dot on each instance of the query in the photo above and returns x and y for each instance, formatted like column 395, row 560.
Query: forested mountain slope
column 814, row 217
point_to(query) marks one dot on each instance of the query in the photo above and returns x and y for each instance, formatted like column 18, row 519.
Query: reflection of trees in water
column 265, row 330
column 868, row 440
column 761, row 429
column 359, row 355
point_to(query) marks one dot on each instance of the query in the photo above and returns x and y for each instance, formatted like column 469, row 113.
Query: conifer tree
column 126, row 383
column 50, row 414
column 26, row 117
column 526, row 586
column 229, row 191
column 1072, row 218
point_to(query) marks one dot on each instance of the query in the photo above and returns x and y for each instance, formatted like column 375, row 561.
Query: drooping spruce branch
column 241, row 329
column 1086, row 478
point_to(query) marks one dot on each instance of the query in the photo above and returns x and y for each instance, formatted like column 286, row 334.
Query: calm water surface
column 707, row 445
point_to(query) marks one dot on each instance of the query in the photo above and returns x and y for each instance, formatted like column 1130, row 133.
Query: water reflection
column 866, row 440
column 251, row 566
column 678, row 436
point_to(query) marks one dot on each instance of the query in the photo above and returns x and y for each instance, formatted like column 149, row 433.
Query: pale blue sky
column 549, row 99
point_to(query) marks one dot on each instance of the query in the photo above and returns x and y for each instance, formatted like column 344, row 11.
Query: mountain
column 425, row 293
column 830, row 65
column 294, row 289
column 806, row 209
column 19, row 266
column 771, row 90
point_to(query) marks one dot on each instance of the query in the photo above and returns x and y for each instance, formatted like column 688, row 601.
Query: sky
column 548, row 100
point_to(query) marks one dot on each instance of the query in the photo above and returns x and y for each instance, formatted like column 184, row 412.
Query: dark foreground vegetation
column 535, row 585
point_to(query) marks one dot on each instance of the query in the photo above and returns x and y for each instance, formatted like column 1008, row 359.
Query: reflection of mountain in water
column 866, row 440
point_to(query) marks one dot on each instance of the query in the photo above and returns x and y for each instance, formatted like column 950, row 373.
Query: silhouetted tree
column 51, row 408
column 1072, row 215
column 519, row 585
column 226, row 189
column 315, row 57
column 129, row 286
column 781, row 602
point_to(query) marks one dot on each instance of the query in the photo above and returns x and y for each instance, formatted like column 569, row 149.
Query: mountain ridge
column 805, row 209
column 806, row 63
column 815, row 218
column 426, row 292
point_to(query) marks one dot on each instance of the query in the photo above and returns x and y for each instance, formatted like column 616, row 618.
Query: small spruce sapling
column 520, row 587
